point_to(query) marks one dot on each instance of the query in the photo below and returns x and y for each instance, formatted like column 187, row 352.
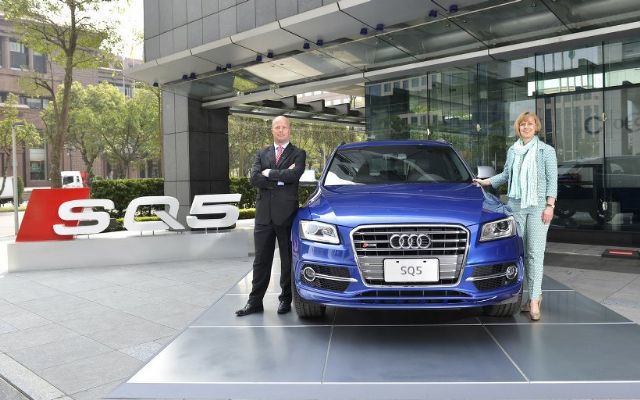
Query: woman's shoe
column 536, row 315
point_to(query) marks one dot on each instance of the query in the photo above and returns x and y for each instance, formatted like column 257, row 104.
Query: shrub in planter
column 122, row 191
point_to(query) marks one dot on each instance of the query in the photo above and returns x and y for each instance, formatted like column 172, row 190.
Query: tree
column 248, row 134
column 92, row 110
column 26, row 133
column 132, row 134
column 64, row 31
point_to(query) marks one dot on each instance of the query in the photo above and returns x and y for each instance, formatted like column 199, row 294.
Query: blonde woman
column 531, row 172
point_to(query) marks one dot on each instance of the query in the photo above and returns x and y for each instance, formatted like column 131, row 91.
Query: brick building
column 16, row 61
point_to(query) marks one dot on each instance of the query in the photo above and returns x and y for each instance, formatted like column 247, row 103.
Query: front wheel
column 304, row 308
column 601, row 216
column 563, row 212
column 504, row 310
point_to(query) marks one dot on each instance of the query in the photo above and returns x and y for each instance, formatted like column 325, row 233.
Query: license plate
column 411, row 270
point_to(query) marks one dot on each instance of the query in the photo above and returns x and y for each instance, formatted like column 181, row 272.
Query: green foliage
column 133, row 135
column 117, row 224
column 103, row 119
column 66, row 33
column 304, row 192
column 26, row 133
column 91, row 113
column 248, row 192
column 247, row 213
column 122, row 191
column 62, row 28
column 243, row 85
column 247, row 135
column 243, row 186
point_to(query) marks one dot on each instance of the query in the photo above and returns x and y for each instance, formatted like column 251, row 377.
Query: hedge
column 122, row 191
column 248, row 192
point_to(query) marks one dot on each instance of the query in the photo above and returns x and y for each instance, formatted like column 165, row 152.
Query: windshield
column 396, row 164
column 67, row 180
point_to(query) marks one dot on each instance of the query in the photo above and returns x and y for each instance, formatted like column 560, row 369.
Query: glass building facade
column 588, row 100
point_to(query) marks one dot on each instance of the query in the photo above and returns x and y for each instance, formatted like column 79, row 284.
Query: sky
column 131, row 28
column 128, row 18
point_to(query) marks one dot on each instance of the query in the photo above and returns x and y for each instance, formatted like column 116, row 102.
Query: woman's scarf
column 524, row 174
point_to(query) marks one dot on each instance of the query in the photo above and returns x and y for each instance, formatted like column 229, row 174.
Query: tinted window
column 396, row 164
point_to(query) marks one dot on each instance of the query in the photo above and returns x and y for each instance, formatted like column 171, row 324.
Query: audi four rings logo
column 410, row 241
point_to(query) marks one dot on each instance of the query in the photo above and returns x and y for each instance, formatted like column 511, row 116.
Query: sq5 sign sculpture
column 57, row 214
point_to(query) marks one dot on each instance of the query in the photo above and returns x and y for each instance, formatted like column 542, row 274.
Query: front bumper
column 480, row 282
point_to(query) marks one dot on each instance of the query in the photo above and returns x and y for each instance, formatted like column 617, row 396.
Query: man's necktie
column 278, row 154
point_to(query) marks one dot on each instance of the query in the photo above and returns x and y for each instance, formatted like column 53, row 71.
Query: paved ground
column 78, row 333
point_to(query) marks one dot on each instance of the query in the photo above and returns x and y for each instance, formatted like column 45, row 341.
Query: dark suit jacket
column 277, row 204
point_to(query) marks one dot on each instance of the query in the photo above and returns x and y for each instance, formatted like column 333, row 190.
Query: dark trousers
column 265, row 242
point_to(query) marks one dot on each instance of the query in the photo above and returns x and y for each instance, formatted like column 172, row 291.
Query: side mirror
column 308, row 178
column 485, row 171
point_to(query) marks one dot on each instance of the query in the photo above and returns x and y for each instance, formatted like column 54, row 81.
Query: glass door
column 573, row 124
column 622, row 158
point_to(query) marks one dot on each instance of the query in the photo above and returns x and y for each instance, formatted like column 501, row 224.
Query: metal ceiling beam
column 498, row 53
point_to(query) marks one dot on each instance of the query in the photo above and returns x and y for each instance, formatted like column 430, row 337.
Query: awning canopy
column 342, row 45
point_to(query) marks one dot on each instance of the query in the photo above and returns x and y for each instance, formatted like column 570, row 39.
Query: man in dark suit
column 275, row 173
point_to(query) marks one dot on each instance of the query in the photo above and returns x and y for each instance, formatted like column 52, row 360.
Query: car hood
column 353, row 205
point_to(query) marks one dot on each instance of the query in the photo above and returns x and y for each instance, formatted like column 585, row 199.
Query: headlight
column 499, row 229
column 319, row 232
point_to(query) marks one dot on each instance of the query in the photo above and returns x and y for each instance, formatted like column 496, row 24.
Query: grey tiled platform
column 580, row 349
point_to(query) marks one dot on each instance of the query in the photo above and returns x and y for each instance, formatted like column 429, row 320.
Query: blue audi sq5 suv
column 399, row 224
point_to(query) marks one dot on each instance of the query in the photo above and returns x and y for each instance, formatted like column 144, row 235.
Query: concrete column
column 208, row 149
column 195, row 148
column 6, row 53
column 29, row 58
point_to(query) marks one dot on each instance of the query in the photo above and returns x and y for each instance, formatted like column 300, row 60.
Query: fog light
column 309, row 274
column 512, row 272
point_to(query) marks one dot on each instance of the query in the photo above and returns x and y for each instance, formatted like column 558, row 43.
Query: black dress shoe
column 284, row 307
column 249, row 309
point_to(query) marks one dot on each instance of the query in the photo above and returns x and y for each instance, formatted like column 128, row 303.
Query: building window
column 128, row 90
column 37, row 170
column 39, row 62
column 37, row 162
column 18, row 54
column 34, row 103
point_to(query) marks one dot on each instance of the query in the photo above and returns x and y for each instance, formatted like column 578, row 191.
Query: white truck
column 7, row 194
column 72, row 179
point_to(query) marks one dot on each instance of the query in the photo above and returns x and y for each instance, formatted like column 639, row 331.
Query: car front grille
column 409, row 297
column 447, row 243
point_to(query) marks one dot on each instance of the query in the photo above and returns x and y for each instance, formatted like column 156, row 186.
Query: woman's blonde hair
column 527, row 114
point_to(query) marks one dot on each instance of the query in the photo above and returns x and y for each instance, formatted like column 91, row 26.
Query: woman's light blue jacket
column 547, row 172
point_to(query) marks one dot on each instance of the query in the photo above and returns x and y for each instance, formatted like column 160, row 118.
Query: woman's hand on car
column 482, row 182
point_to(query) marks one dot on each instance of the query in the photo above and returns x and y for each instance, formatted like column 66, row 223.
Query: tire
column 601, row 216
column 564, row 212
column 304, row 308
column 504, row 310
